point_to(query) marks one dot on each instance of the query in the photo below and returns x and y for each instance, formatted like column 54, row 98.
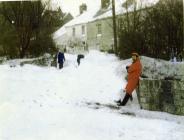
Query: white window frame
column 83, row 29
column 99, row 29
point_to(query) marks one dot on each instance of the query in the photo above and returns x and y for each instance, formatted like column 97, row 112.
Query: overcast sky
column 72, row 6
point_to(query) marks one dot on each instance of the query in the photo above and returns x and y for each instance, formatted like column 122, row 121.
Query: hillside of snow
column 45, row 103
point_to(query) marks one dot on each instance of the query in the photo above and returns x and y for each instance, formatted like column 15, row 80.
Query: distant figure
column 174, row 59
column 180, row 57
column 61, row 59
column 79, row 57
column 134, row 72
column 172, row 55
column 65, row 49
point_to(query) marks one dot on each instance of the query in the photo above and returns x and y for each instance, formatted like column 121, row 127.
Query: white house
column 94, row 28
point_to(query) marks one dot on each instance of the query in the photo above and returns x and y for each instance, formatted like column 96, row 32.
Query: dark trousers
column 126, row 98
column 60, row 65
column 78, row 61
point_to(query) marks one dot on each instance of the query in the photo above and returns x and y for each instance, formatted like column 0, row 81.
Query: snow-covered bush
column 44, row 60
column 2, row 59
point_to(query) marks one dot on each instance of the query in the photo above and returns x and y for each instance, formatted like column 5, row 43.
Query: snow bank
column 44, row 103
column 160, row 69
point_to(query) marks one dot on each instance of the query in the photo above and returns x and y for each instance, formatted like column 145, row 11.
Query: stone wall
column 46, row 60
column 162, row 95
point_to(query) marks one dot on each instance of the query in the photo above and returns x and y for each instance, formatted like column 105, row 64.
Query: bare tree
column 25, row 17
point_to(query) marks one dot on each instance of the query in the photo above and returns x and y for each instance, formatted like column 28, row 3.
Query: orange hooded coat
column 134, row 72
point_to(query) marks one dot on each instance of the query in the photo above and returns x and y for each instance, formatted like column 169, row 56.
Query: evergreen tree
column 29, row 26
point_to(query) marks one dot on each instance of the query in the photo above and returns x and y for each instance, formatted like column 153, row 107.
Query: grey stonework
column 45, row 60
column 162, row 95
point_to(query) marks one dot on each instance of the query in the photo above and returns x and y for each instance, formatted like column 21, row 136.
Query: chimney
column 82, row 8
column 105, row 4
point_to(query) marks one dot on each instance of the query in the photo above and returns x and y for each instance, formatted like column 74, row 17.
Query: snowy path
column 49, row 104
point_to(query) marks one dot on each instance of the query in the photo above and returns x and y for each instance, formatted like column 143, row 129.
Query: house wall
column 103, row 41
column 78, row 32
column 61, row 40
column 70, row 42
column 77, row 42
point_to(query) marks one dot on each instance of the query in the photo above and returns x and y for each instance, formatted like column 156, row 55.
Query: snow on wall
column 159, row 69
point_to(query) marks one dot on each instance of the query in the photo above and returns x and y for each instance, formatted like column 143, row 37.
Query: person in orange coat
column 134, row 72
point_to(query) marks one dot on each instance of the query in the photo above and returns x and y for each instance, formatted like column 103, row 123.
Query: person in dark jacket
column 79, row 57
column 61, row 59
column 180, row 57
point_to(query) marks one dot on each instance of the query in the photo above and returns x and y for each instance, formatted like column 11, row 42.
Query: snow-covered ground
column 44, row 103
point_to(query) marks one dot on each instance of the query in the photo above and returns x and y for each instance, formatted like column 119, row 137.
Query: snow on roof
column 85, row 17
column 89, row 16
column 108, row 13
column 121, row 10
column 145, row 3
column 59, row 32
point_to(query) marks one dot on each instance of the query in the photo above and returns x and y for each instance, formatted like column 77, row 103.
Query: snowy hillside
column 44, row 103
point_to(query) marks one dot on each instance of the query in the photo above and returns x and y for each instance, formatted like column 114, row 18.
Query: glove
column 127, row 67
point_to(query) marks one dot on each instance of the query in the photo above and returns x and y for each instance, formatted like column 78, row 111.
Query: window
column 83, row 42
column 73, row 31
column 83, row 29
column 99, row 29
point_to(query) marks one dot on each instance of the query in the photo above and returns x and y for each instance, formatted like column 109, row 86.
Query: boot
column 125, row 100
column 118, row 102
column 131, row 98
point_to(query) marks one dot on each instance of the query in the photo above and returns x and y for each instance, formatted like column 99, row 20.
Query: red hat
column 136, row 54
